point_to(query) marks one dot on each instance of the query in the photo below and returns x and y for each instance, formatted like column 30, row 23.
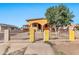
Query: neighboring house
column 25, row 28
column 7, row 26
column 38, row 24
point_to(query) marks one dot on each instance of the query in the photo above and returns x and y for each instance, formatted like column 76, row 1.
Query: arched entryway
column 36, row 26
column 45, row 26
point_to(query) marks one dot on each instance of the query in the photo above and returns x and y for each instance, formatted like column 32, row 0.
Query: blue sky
column 16, row 14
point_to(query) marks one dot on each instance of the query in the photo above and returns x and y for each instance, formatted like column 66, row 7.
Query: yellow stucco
column 46, row 35
column 32, row 35
column 71, row 35
column 40, row 21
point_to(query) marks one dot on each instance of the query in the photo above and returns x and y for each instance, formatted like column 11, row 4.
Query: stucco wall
column 42, row 22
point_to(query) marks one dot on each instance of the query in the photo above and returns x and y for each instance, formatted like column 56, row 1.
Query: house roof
column 36, row 19
column 1, row 24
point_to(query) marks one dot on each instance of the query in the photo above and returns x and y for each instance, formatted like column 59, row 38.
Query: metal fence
column 19, row 36
column 76, row 34
column 39, row 35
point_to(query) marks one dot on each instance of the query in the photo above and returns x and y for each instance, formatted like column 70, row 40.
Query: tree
column 59, row 16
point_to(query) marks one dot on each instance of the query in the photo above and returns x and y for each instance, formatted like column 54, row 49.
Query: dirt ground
column 20, row 45
column 65, row 47
column 53, row 47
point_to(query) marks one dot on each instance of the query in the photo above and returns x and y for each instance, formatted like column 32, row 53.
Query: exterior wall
column 42, row 22
column 2, row 28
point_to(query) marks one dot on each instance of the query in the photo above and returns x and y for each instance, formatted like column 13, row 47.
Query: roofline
column 2, row 24
column 35, row 19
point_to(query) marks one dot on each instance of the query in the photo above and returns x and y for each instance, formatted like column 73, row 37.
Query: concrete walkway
column 39, row 49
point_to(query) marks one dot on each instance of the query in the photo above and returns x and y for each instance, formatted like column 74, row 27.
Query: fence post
column 32, row 35
column 71, row 34
column 6, row 35
column 46, row 35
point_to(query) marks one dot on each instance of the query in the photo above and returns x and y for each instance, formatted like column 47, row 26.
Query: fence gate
column 39, row 36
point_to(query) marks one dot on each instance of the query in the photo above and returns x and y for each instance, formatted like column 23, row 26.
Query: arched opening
column 39, row 26
column 45, row 26
column 36, row 26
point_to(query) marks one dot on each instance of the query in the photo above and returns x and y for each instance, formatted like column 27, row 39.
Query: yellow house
column 38, row 24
